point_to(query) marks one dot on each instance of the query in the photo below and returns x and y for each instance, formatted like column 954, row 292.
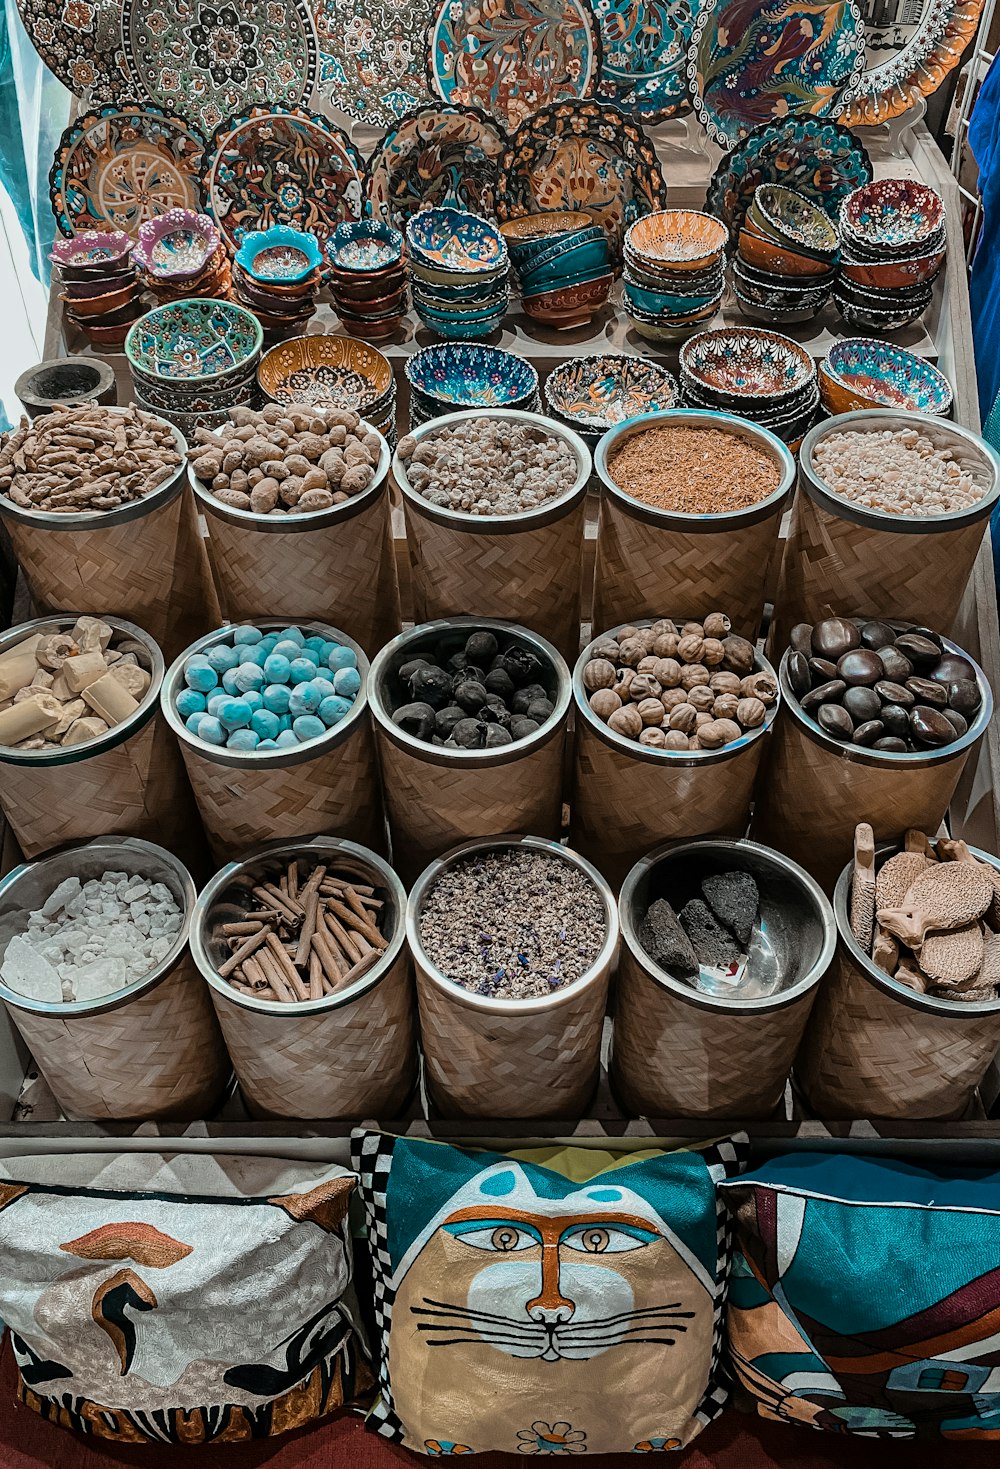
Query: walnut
column 666, row 645
column 684, row 718
column 738, row 654
column 702, row 697
column 648, row 638
column 762, row 686
column 627, row 721
column 604, row 702
column 717, row 625
column 632, row 651
column 599, row 673
column 664, row 628
column 725, row 706
column 693, row 630
column 670, row 698
column 712, row 652
column 625, row 633
column 703, row 718
column 623, row 680
column 654, row 738
column 647, row 665
column 667, row 671
column 724, row 682
column 650, row 711
column 689, row 649
column 643, row 687
column 750, row 713
column 605, row 648
column 693, row 674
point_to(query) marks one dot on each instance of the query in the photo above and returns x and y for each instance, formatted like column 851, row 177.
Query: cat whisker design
column 642, row 1313
column 466, row 1313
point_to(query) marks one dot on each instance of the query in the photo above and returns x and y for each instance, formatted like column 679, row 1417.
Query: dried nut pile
column 867, row 683
column 259, row 691
column 489, row 466
column 490, row 692
column 713, row 929
column 929, row 916
column 899, row 471
column 290, row 459
column 513, row 924
column 91, row 939
column 314, row 932
column 62, row 688
column 693, row 471
column 690, row 687
column 79, row 459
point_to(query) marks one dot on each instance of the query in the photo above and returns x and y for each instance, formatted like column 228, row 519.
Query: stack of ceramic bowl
column 459, row 269
column 192, row 361
column 859, row 372
column 674, row 272
column 450, row 376
column 755, row 374
column 563, row 266
column 180, row 254
column 892, row 235
column 277, row 275
column 786, row 257
column 102, row 291
column 367, row 277
column 593, row 394
column 332, row 372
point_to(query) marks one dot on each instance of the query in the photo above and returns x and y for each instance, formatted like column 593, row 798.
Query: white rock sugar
column 900, row 472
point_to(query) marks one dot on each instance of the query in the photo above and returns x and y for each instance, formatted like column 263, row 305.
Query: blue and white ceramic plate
column 644, row 46
column 470, row 375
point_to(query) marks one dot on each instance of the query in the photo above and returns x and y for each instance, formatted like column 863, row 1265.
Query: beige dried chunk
column 895, row 877
column 948, row 896
column 863, row 886
column 952, row 959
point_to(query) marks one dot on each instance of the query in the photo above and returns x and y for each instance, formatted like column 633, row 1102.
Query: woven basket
column 677, row 1052
column 842, row 559
column 436, row 797
column 329, row 785
column 146, row 560
column 149, row 1052
column 523, row 568
column 337, row 565
column 130, row 781
column 518, row 1058
column 351, row 1055
column 875, row 1048
column 648, row 559
column 816, row 789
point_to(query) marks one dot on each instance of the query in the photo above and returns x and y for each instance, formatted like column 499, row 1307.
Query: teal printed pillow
column 516, row 1295
column 865, row 1296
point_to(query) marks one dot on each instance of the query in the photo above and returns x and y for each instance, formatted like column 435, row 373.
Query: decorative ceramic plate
column 471, row 375
column 207, row 59
column 909, row 51
column 594, row 393
column 194, row 340
column 746, row 362
column 644, row 47
column 281, row 165
column 750, row 62
column 440, row 155
column 818, row 158
column 122, row 164
column 80, row 42
column 512, row 57
column 582, row 155
column 372, row 56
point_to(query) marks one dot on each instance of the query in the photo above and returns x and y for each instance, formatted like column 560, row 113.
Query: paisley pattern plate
column 118, row 166
column 511, row 57
column 595, row 393
column 644, row 47
column 817, row 158
column 80, row 42
column 750, row 62
column 281, row 165
column 441, row 155
column 206, row 59
column 909, row 52
column 372, row 56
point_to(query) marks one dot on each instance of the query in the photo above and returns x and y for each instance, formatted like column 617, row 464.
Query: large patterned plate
column 122, row 164
column 644, row 47
column 820, row 159
column 208, row 59
column 910, row 49
column 372, row 56
column 438, row 156
column 512, row 57
column 750, row 63
column 281, row 165
column 79, row 41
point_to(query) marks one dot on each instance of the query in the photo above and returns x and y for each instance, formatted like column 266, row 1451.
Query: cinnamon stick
column 351, row 920
column 293, row 879
column 275, row 977
column 289, row 972
column 352, row 950
column 315, row 976
column 276, row 900
column 249, row 946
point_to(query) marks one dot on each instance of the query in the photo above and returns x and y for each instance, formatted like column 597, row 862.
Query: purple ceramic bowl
column 93, row 252
column 175, row 246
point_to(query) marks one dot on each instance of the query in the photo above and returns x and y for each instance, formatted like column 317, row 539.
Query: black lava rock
column 734, row 899
column 710, row 941
column 665, row 941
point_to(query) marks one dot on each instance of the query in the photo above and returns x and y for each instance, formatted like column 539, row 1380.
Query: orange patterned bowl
column 569, row 306
column 891, row 274
column 677, row 239
column 778, row 259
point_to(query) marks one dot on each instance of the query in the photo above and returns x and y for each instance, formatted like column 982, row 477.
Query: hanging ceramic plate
column 644, row 47
column 207, row 59
column 512, row 57
column 750, row 63
column 820, row 159
column 439, row 156
column 122, row 164
column 910, row 49
column 79, row 41
column 281, row 165
column 582, row 155
column 372, row 56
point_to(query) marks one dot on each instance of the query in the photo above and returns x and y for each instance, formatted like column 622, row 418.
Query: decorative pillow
column 562, row 1301
column 865, row 1296
column 189, row 1299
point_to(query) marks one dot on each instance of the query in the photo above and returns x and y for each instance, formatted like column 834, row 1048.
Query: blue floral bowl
column 528, row 253
column 364, row 245
column 576, row 255
column 875, row 374
column 194, row 341
column 468, row 375
column 280, row 255
column 456, row 241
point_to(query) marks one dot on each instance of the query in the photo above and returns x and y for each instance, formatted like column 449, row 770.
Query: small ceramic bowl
column 281, row 255
column 455, row 240
column 92, row 252
column 882, row 300
column 898, row 216
column 778, row 259
column 459, row 375
column 662, row 304
column 368, row 287
column 483, row 281
column 693, row 283
column 683, row 239
column 448, row 307
column 364, row 245
column 305, row 368
column 527, row 229
column 196, row 339
column 570, row 305
column 595, row 393
column 457, row 319
column 102, row 305
column 790, row 218
column 745, row 364
column 572, row 256
column 866, row 319
column 99, row 285
column 176, row 245
column 888, row 275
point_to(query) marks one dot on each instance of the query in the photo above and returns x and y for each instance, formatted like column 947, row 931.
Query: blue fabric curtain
column 34, row 108
column 984, row 285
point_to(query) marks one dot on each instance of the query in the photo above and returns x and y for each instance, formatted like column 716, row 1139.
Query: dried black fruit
column 447, row 718
column 457, row 663
column 431, row 686
column 470, row 696
column 497, row 735
column 523, row 667
column 416, row 719
column 500, row 683
column 481, row 648
column 519, row 703
column 469, row 734
column 408, row 669
column 521, row 727
column 540, row 709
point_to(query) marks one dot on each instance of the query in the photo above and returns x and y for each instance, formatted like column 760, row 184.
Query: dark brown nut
column 599, row 673
column 750, row 713
column 627, row 721
column 717, row 625
column 800, row 638
column 823, row 695
column 738, row 655
column 702, row 697
column 690, row 648
column 684, row 717
column 693, row 674
column 604, row 702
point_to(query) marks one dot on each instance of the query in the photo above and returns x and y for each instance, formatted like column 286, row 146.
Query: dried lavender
column 513, row 924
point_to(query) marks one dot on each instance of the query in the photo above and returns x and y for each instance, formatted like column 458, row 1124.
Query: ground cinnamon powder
column 696, row 471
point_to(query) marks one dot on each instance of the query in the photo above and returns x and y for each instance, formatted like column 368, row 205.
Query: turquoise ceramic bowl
column 551, row 270
column 658, row 303
column 459, row 319
column 526, row 254
column 195, row 340
column 464, row 330
column 461, row 295
column 447, row 307
column 455, row 240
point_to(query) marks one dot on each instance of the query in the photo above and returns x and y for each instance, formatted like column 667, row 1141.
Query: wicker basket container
column 816, row 789
column 875, row 1048
column 329, row 785
column 148, row 1052
column 522, row 568
column 130, row 781
column 336, row 565
column 436, row 797
column 350, row 1055
column 511, row 1058
column 679, row 1052
column 648, row 559
column 842, row 559
column 628, row 798
column 147, row 560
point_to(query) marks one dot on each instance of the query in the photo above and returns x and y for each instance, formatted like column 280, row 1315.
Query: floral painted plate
column 472, row 375
column 372, row 57
column 644, row 46
column 816, row 157
column 595, row 393
column 738, row 363
column 512, row 57
column 118, row 166
column 194, row 340
column 750, row 63
column 909, row 52
column 281, row 165
column 80, row 42
column 441, row 155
